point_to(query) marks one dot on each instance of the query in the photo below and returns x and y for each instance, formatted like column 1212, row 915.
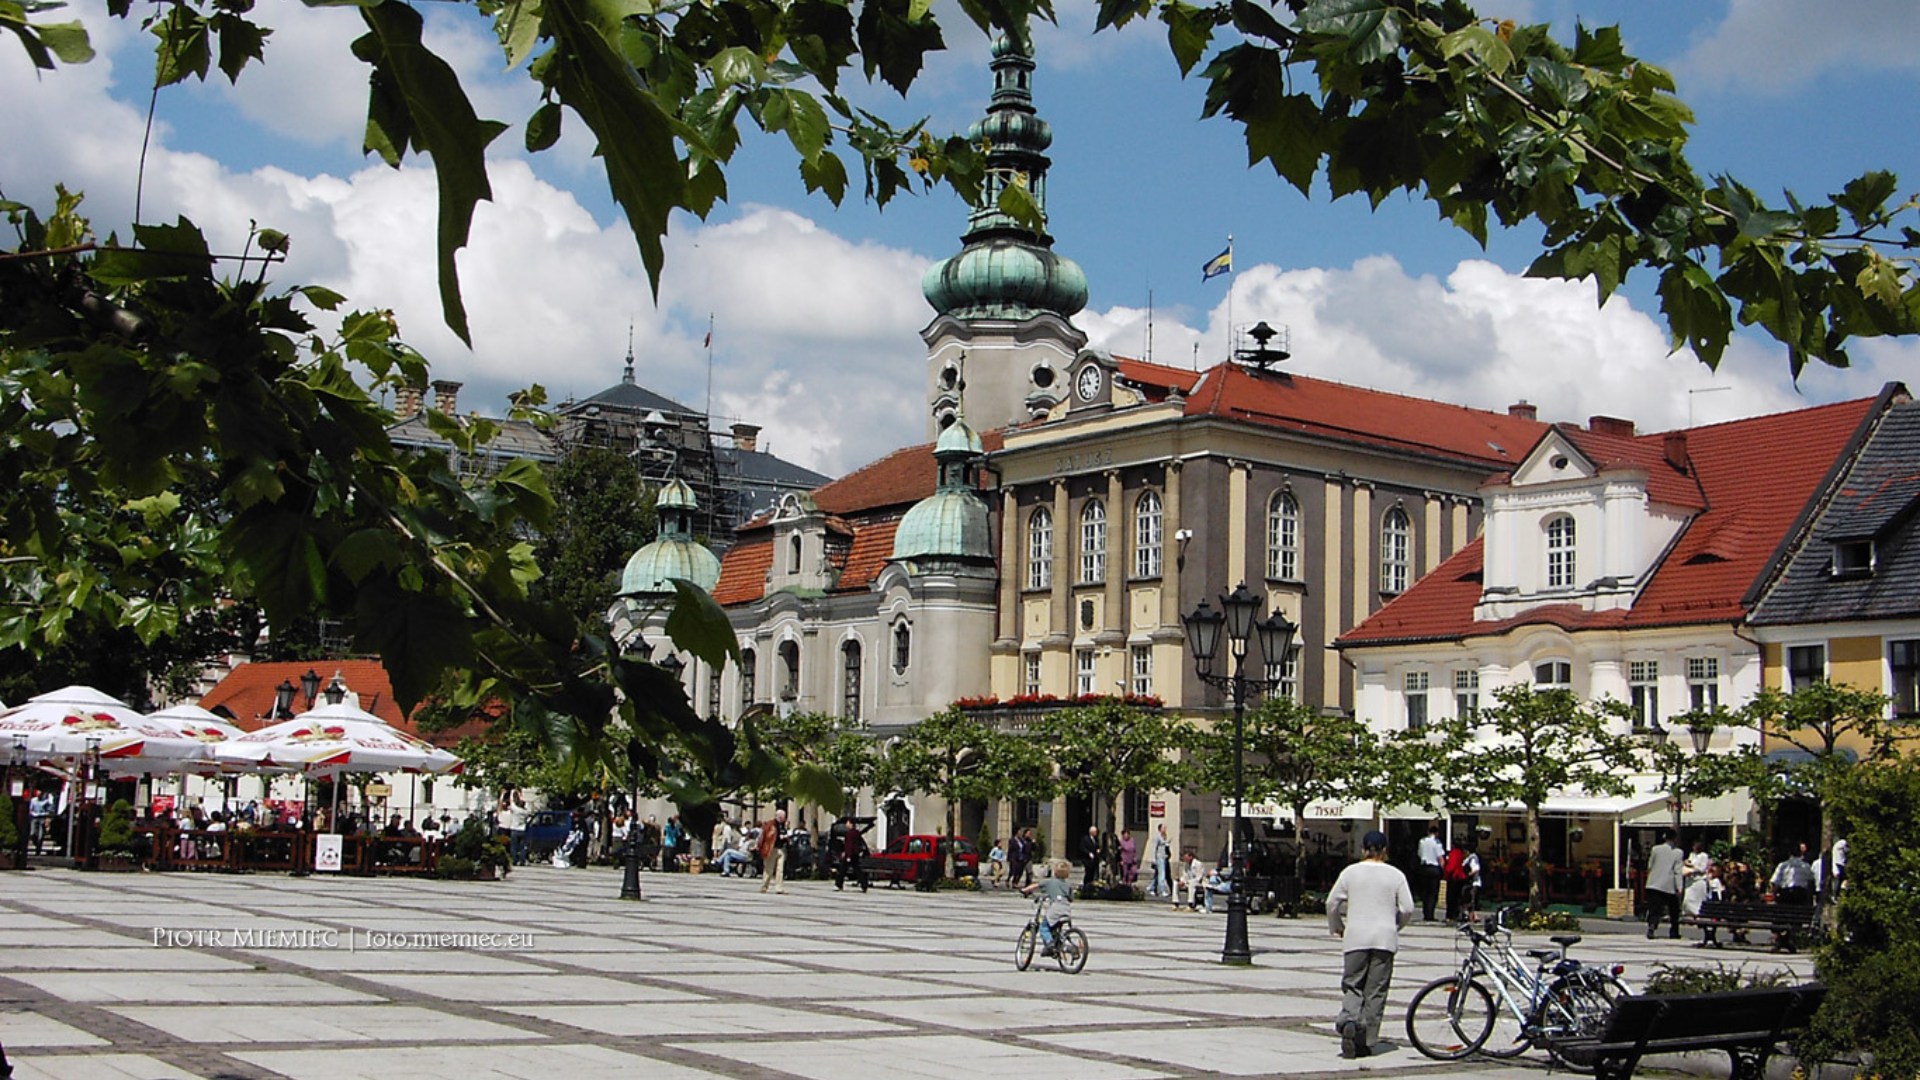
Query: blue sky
column 817, row 309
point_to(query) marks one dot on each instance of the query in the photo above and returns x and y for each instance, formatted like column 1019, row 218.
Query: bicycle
column 1499, row 1006
column 1069, row 946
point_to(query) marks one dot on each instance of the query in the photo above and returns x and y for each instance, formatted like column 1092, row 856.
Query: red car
column 909, row 857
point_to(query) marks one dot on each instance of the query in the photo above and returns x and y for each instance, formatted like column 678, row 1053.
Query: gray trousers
column 1363, row 991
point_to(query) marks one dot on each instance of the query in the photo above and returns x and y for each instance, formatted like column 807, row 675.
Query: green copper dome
column 951, row 525
column 676, row 554
column 1008, row 270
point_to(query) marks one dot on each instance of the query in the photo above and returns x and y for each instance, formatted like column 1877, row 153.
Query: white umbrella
column 334, row 739
column 77, row 721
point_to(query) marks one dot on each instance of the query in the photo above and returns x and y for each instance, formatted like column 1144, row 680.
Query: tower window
column 747, row 659
column 1149, row 536
column 850, row 682
column 1560, row 551
column 1040, row 549
column 1283, row 537
column 1093, row 542
column 1396, row 543
column 902, row 646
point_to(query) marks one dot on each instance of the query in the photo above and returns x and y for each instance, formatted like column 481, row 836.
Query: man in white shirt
column 1432, row 854
column 1366, row 909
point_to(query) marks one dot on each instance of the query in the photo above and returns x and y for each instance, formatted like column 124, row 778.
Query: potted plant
column 113, row 852
column 471, row 854
column 9, row 834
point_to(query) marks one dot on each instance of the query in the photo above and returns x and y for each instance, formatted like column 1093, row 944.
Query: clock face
column 1087, row 383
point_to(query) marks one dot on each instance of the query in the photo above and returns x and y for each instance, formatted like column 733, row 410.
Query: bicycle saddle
column 1565, row 940
column 1544, row 954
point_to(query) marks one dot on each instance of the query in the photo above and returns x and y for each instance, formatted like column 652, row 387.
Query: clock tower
column 1004, row 300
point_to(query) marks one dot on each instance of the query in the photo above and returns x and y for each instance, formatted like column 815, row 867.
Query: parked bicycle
column 1499, row 1005
column 1069, row 945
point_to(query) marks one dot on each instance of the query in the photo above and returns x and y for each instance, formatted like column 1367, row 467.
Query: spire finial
column 627, row 376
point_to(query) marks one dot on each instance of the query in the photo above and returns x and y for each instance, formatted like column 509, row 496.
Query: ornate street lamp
column 336, row 691
column 1275, row 633
column 1701, row 735
column 17, row 786
column 283, row 699
column 310, row 686
column 673, row 665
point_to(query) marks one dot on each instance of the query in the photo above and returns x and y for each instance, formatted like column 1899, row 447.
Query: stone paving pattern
column 706, row 979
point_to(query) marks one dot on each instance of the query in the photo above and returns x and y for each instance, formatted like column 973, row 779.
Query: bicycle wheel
column 1576, row 1006
column 1510, row 1037
column 1023, row 949
column 1448, row 1019
column 1070, row 947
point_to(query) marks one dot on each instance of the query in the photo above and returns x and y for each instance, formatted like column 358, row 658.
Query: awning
column 1646, row 793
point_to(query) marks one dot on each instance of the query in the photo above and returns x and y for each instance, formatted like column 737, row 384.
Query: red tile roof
column 872, row 547
column 1332, row 410
column 1666, row 483
column 743, row 571
column 1753, row 477
column 248, row 692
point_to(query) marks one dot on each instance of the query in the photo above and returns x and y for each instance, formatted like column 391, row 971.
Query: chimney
column 406, row 402
column 746, row 436
column 1523, row 411
column 1675, row 446
column 446, row 396
column 1610, row 425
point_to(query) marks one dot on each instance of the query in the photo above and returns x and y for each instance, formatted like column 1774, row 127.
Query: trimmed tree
column 1103, row 749
column 1529, row 746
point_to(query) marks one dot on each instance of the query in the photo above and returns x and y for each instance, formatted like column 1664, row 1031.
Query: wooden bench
column 1785, row 920
column 1748, row 1024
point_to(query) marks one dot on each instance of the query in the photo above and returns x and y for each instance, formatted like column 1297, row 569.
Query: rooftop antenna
column 709, row 347
column 1702, row 390
column 627, row 376
column 1149, row 324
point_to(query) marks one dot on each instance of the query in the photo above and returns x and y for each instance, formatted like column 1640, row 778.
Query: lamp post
column 1204, row 625
column 310, row 686
column 17, row 787
column 630, row 876
column 1673, row 766
column 283, row 699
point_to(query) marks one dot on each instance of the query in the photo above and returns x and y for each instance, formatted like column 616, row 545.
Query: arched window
column 1040, row 549
column 1396, row 545
column 1149, row 536
column 1553, row 675
column 793, row 554
column 902, row 646
column 1283, row 537
column 1093, row 542
column 1560, row 552
column 790, row 665
column 747, row 670
column 850, row 680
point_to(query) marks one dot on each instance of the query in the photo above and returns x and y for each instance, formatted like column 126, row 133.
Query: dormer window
column 1560, row 551
column 1553, row 675
column 1852, row 558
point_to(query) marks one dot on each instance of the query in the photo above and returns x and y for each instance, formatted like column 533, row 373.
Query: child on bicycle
column 1057, row 896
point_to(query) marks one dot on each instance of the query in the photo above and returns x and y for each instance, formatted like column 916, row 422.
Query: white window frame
column 1466, row 693
column 1141, row 662
column 1040, row 548
column 1286, row 674
column 1396, row 551
column 1643, row 693
column 1084, row 677
column 1149, row 534
column 1283, row 537
column 1553, row 684
column 1414, row 687
column 1032, row 673
column 1703, row 682
column 1786, row 662
column 1562, row 540
column 1093, row 542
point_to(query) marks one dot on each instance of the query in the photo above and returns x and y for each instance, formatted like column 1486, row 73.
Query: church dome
column 945, row 525
column 1005, row 278
column 676, row 554
column 651, row 569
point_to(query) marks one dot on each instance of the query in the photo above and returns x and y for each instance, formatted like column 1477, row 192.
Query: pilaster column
column 1362, row 551
column 1012, row 567
column 1170, row 558
column 1332, row 546
column 1430, row 527
column 1119, row 542
column 1065, row 529
column 1459, row 539
column 1237, row 474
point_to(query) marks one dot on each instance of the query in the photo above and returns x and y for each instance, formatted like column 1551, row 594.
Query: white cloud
column 1777, row 46
column 1487, row 338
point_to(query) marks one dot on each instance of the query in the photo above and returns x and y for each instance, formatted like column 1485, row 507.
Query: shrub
column 9, row 834
column 116, row 829
column 1692, row 979
column 1550, row 920
column 477, row 847
column 1312, row 905
column 964, row 884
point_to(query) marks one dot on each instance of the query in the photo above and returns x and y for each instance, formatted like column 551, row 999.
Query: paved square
column 547, row 976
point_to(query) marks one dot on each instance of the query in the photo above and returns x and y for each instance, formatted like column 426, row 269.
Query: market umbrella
column 335, row 739
column 73, row 722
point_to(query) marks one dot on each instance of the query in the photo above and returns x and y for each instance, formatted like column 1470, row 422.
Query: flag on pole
column 1219, row 264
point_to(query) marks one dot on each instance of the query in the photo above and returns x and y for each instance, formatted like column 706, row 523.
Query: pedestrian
column 1697, row 864
column 39, row 813
column 1367, row 908
column 773, row 853
column 1162, row 856
column 514, row 810
column 1090, row 850
column 1433, row 854
column 1129, row 860
column 1019, row 853
column 1191, row 880
column 1666, row 864
column 1461, row 867
column 1700, row 890
column 670, row 844
column 997, row 865
column 853, row 848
